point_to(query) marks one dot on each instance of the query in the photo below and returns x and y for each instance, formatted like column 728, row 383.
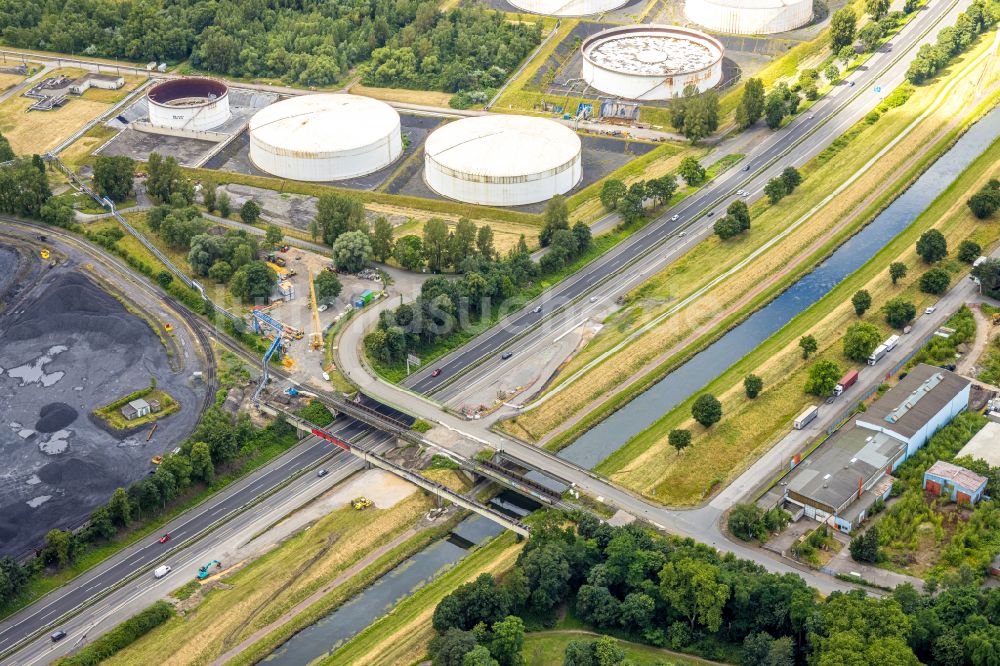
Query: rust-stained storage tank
column 193, row 103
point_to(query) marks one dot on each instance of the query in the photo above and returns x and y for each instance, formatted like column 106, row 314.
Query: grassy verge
column 542, row 648
column 402, row 636
column 642, row 463
column 692, row 328
column 263, row 591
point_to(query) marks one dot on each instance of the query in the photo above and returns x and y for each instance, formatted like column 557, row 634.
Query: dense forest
column 305, row 42
column 672, row 592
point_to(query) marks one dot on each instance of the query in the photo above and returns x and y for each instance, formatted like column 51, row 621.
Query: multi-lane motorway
column 595, row 287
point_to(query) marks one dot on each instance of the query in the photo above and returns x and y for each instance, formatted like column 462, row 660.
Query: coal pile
column 55, row 416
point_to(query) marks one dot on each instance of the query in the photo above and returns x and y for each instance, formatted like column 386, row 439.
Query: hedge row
column 121, row 636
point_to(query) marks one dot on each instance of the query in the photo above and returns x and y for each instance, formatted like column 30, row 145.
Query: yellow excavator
column 361, row 503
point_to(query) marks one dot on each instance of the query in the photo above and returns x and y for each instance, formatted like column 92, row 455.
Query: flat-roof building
column 984, row 445
column 852, row 469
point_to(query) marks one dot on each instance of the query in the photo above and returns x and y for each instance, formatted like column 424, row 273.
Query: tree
column 775, row 109
column 897, row 271
column 988, row 274
column 6, row 152
column 484, row 242
column 870, row 35
column 832, row 73
column 727, row 227
column 222, row 201
column 842, row 28
column 808, row 345
column 781, row 652
column 791, row 177
column 462, row 242
column 739, row 211
column 823, row 377
column 351, row 251
column 479, row 656
column 253, row 282
column 201, row 463
column 58, row 549
column 409, row 252
column 165, row 180
column 595, row 604
column 631, row 208
column 680, row 439
column 935, row 281
column 581, row 232
column 327, row 287
column 984, row 203
column 695, row 590
column 661, row 189
column 969, row 251
column 220, row 271
column 860, row 341
column 555, row 217
column 775, row 189
column 637, row 610
column 164, row 278
column 751, row 106
column 864, row 547
column 691, row 171
column 846, row 54
column 381, row 239
column 699, row 113
column 209, row 196
column 612, row 192
column 482, row 600
column 339, row 213
column 272, row 235
column 113, row 176
column 436, row 244
column 899, row 312
column 932, row 246
column 746, row 521
column 508, row 641
column 451, row 645
column 752, row 384
column 877, row 9
column 706, row 410
column 205, row 251
column 548, row 572
column 120, row 508
column 250, row 212
column 861, row 300
column 756, row 649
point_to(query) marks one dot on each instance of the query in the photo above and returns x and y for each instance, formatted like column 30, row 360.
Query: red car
column 165, row 538
column 436, row 372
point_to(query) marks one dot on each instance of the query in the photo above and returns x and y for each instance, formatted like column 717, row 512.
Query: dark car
column 506, row 355
column 58, row 636
column 436, row 372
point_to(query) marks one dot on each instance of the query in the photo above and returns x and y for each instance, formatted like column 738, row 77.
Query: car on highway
column 161, row 571
column 506, row 355
column 746, row 168
column 675, row 218
column 593, row 299
column 930, row 310
column 321, row 472
column 537, row 310
column 851, row 83
column 165, row 538
column 436, row 373
column 58, row 636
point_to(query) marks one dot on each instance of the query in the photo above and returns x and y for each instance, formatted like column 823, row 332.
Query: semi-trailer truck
column 877, row 355
column 891, row 342
column 846, row 382
column 803, row 419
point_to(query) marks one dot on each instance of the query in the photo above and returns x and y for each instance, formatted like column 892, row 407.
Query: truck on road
column 877, row 355
column 846, row 382
column 803, row 419
column 366, row 297
column 891, row 343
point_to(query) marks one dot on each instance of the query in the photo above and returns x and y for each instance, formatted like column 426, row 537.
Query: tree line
column 304, row 42
column 676, row 593
column 952, row 40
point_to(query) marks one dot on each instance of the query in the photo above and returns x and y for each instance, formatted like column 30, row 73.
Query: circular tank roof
column 188, row 91
column 652, row 50
column 327, row 123
column 500, row 146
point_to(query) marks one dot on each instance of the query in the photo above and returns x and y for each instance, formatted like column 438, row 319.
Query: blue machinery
column 260, row 318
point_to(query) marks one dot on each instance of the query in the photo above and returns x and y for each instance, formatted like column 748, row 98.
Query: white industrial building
column 749, row 17
column 651, row 62
column 325, row 137
column 568, row 7
column 195, row 104
column 502, row 160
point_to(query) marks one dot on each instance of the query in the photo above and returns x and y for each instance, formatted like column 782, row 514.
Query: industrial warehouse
column 851, row 470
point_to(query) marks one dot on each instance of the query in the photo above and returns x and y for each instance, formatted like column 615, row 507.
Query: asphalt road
column 595, row 288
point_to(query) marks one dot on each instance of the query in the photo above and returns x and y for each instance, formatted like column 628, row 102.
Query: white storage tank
column 325, row 137
column 651, row 62
column 502, row 160
column 193, row 103
column 568, row 7
column 749, row 17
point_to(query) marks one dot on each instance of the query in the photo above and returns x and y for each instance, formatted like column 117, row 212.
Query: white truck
column 161, row 571
column 877, row 355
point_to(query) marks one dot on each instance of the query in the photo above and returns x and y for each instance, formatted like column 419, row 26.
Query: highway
column 595, row 288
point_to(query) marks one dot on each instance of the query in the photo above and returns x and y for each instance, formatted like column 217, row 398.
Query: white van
column 161, row 571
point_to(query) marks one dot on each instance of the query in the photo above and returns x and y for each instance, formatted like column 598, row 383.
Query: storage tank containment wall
column 568, row 7
column 651, row 62
column 749, row 17
column 196, row 104
column 502, row 160
column 325, row 137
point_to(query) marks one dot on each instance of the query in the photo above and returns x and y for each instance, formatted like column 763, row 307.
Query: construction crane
column 317, row 336
column 275, row 348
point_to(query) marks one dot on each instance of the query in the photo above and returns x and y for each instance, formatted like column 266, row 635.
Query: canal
column 612, row 433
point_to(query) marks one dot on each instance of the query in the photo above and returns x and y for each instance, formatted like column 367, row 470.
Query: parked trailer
column 891, row 342
column 877, row 355
column 846, row 382
column 803, row 419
